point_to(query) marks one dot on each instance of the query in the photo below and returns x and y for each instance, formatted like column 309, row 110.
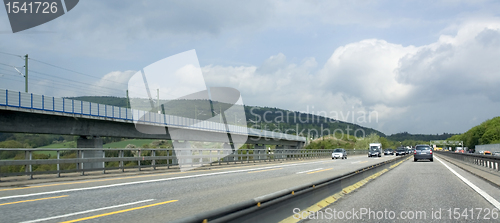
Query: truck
column 375, row 149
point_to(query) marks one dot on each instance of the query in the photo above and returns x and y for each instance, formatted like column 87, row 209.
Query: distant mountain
column 271, row 119
column 418, row 137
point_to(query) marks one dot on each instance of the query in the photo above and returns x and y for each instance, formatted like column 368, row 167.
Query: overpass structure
column 39, row 114
column 31, row 113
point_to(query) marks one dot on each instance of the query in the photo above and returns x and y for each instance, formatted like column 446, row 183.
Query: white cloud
column 411, row 88
column 113, row 83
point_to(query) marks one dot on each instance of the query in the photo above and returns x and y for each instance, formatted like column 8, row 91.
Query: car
column 423, row 152
column 389, row 152
column 496, row 153
column 400, row 151
column 339, row 153
column 374, row 151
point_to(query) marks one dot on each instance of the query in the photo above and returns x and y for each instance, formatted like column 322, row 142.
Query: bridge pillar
column 94, row 142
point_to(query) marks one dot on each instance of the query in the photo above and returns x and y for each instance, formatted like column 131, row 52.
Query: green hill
column 271, row 119
column 487, row 132
column 399, row 137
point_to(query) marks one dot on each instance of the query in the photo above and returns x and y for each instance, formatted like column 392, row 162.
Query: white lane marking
column 151, row 181
column 474, row 187
column 355, row 162
column 85, row 212
column 309, row 171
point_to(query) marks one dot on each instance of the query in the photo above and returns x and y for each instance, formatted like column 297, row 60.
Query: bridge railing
column 29, row 162
column 65, row 106
column 488, row 161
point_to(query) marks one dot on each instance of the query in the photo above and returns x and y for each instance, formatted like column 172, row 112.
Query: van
column 375, row 149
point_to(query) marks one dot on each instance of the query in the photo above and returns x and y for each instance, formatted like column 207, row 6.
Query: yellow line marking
column 120, row 211
column 39, row 199
column 123, row 178
column 320, row 171
column 363, row 162
column 88, row 181
column 264, row 170
column 331, row 199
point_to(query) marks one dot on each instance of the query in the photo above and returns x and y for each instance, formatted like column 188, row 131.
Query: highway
column 413, row 191
column 416, row 192
column 164, row 197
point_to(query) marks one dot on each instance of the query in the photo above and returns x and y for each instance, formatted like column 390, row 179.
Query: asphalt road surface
column 168, row 196
column 420, row 191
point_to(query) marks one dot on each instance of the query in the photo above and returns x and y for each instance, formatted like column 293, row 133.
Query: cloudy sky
column 421, row 66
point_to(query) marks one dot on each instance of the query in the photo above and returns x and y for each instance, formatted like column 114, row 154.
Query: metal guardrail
column 73, row 159
column 64, row 106
column 488, row 161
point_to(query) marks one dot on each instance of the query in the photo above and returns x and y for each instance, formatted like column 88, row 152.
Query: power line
column 8, row 65
column 61, row 84
column 113, row 89
column 10, row 54
column 80, row 73
column 66, row 69
column 9, row 70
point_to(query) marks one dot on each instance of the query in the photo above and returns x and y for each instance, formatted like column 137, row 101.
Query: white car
column 339, row 153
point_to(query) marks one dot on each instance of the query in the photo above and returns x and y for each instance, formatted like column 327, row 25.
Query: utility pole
column 26, row 73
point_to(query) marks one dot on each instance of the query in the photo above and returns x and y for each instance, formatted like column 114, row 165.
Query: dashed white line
column 474, row 187
column 151, row 181
column 309, row 171
column 85, row 212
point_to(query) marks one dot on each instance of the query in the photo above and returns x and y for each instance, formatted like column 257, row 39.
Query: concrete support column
column 91, row 142
column 181, row 150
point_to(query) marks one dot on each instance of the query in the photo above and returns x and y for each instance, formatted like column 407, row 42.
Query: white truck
column 375, row 149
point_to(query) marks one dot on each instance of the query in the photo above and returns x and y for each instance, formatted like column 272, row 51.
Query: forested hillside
column 418, row 137
column 487, row 132
column 272, row 119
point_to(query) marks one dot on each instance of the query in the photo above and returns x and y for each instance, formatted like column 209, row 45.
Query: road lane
column 413, row 192
column 195, row 192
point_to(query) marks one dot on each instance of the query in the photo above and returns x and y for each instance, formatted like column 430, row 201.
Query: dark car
column 374, row 151
column 389, row 152
column 401, row 151
column 423, row 152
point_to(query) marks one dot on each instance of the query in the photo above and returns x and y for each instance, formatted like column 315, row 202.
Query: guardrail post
column 121, row 155
column 58, row 168
column 81, row 164
column 139, row 161
column 28, row 169
column 103, row 163
column 218, row 156
column 153, row 162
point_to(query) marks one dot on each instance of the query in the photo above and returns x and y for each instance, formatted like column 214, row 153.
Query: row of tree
column 487, row 132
